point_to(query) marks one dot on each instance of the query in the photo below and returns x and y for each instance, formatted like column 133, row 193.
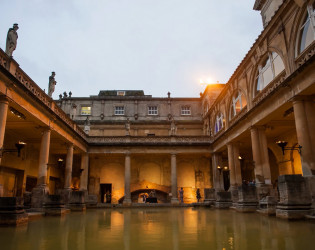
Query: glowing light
column 207, row 81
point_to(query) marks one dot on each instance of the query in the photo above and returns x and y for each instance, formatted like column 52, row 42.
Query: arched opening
column 307, row 30
column 268, row 70
column 237, row 104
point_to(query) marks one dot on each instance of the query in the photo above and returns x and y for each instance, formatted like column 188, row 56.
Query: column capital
column 302, row 98
column 4, row 99
column 173, row 153
column 258, row 127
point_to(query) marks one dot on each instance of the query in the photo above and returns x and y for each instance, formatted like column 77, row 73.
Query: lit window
column 152, row 110
column 238, row 103
column 268, row 70
column 219, row 123
column 86, row 110
column 119, row 110
column 185, row 110
column 307, row 29
column 121, row 93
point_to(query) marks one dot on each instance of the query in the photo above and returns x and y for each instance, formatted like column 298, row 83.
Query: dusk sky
column 151, row 45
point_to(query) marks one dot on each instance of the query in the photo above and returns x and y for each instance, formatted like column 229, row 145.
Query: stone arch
column 262, row 59
column 295, row 31
column 230, row 100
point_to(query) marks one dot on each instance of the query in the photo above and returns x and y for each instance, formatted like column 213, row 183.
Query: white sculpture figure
column 127, row 126
column 87, row 125
column 11, row 40
column 51, row 84
column 173, row 127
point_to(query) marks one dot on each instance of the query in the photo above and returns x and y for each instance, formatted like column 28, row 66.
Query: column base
column 38, row 196
column 127, row 202
column 174, row 201
column 66, row 195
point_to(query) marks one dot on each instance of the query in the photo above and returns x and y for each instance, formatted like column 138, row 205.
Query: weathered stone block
column 223, row 199
column 91, row 200
column 295, row 197
column 247, row 199
column 268, row 205
column 209, row 196
column 12, row 211
column 38, row 196
column 77, row 201
column 54, row 205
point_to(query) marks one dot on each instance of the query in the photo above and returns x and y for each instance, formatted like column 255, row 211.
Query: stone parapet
column 247, row 201
column 295, row 197
column 12, row 211
column 223, row 199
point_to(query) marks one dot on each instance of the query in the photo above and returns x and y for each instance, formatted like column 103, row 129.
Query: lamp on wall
column 19, row 145
column 283, row 144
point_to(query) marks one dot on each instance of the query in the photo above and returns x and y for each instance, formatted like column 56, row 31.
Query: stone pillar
column 68, row 170
column 43, row 158
column 3, row 120
column 85, row 172
column 41, row 189
column 127, row 199
column 305, row 127
column 217, row 178
column 235, row 170
column 174, row 199
column 260, row 156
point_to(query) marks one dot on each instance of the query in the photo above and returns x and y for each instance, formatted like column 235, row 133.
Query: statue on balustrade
column 52, row 83
column 11, row 40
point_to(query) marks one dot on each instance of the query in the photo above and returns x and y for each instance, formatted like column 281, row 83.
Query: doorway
column 106, row 192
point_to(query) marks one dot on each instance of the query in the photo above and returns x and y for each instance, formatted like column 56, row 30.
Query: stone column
column 231, row 164
column 217, row 178
column 260, row 156
column 43, row 159
column 305, row 127
column 38, row 193
column 85, row 171
column 127, row 199
column 4, row 103
column 174, row 199
column 68, row 170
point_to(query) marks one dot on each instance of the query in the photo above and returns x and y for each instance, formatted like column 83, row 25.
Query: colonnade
column 304, row 114
column 42, row 177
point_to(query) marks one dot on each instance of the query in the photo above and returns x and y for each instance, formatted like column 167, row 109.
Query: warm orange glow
column 207, row 81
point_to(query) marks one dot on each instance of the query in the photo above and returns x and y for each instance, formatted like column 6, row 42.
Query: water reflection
column 159, row 228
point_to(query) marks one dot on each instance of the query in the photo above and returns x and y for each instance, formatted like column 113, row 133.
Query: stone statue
column 51, row 84
column 87, row 125
column 127, row 127
column 173, row 127
column 11, row 40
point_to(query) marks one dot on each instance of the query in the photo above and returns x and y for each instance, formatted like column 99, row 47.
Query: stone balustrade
column 155, row 140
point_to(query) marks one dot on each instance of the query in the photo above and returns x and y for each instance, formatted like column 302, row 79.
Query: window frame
column 153, row 110
column 237, row 97
column 262, row 68
column 219, row 123
column 87, row 113
column 308, row 18
column 185, row 110
column 119, row 110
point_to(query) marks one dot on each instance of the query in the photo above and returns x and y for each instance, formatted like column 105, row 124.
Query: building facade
column 126, row 144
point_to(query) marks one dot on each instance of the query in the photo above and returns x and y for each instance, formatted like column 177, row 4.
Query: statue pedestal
column 12, row 211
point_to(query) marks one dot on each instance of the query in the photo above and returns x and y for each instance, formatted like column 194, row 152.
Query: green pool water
column 159, row 228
